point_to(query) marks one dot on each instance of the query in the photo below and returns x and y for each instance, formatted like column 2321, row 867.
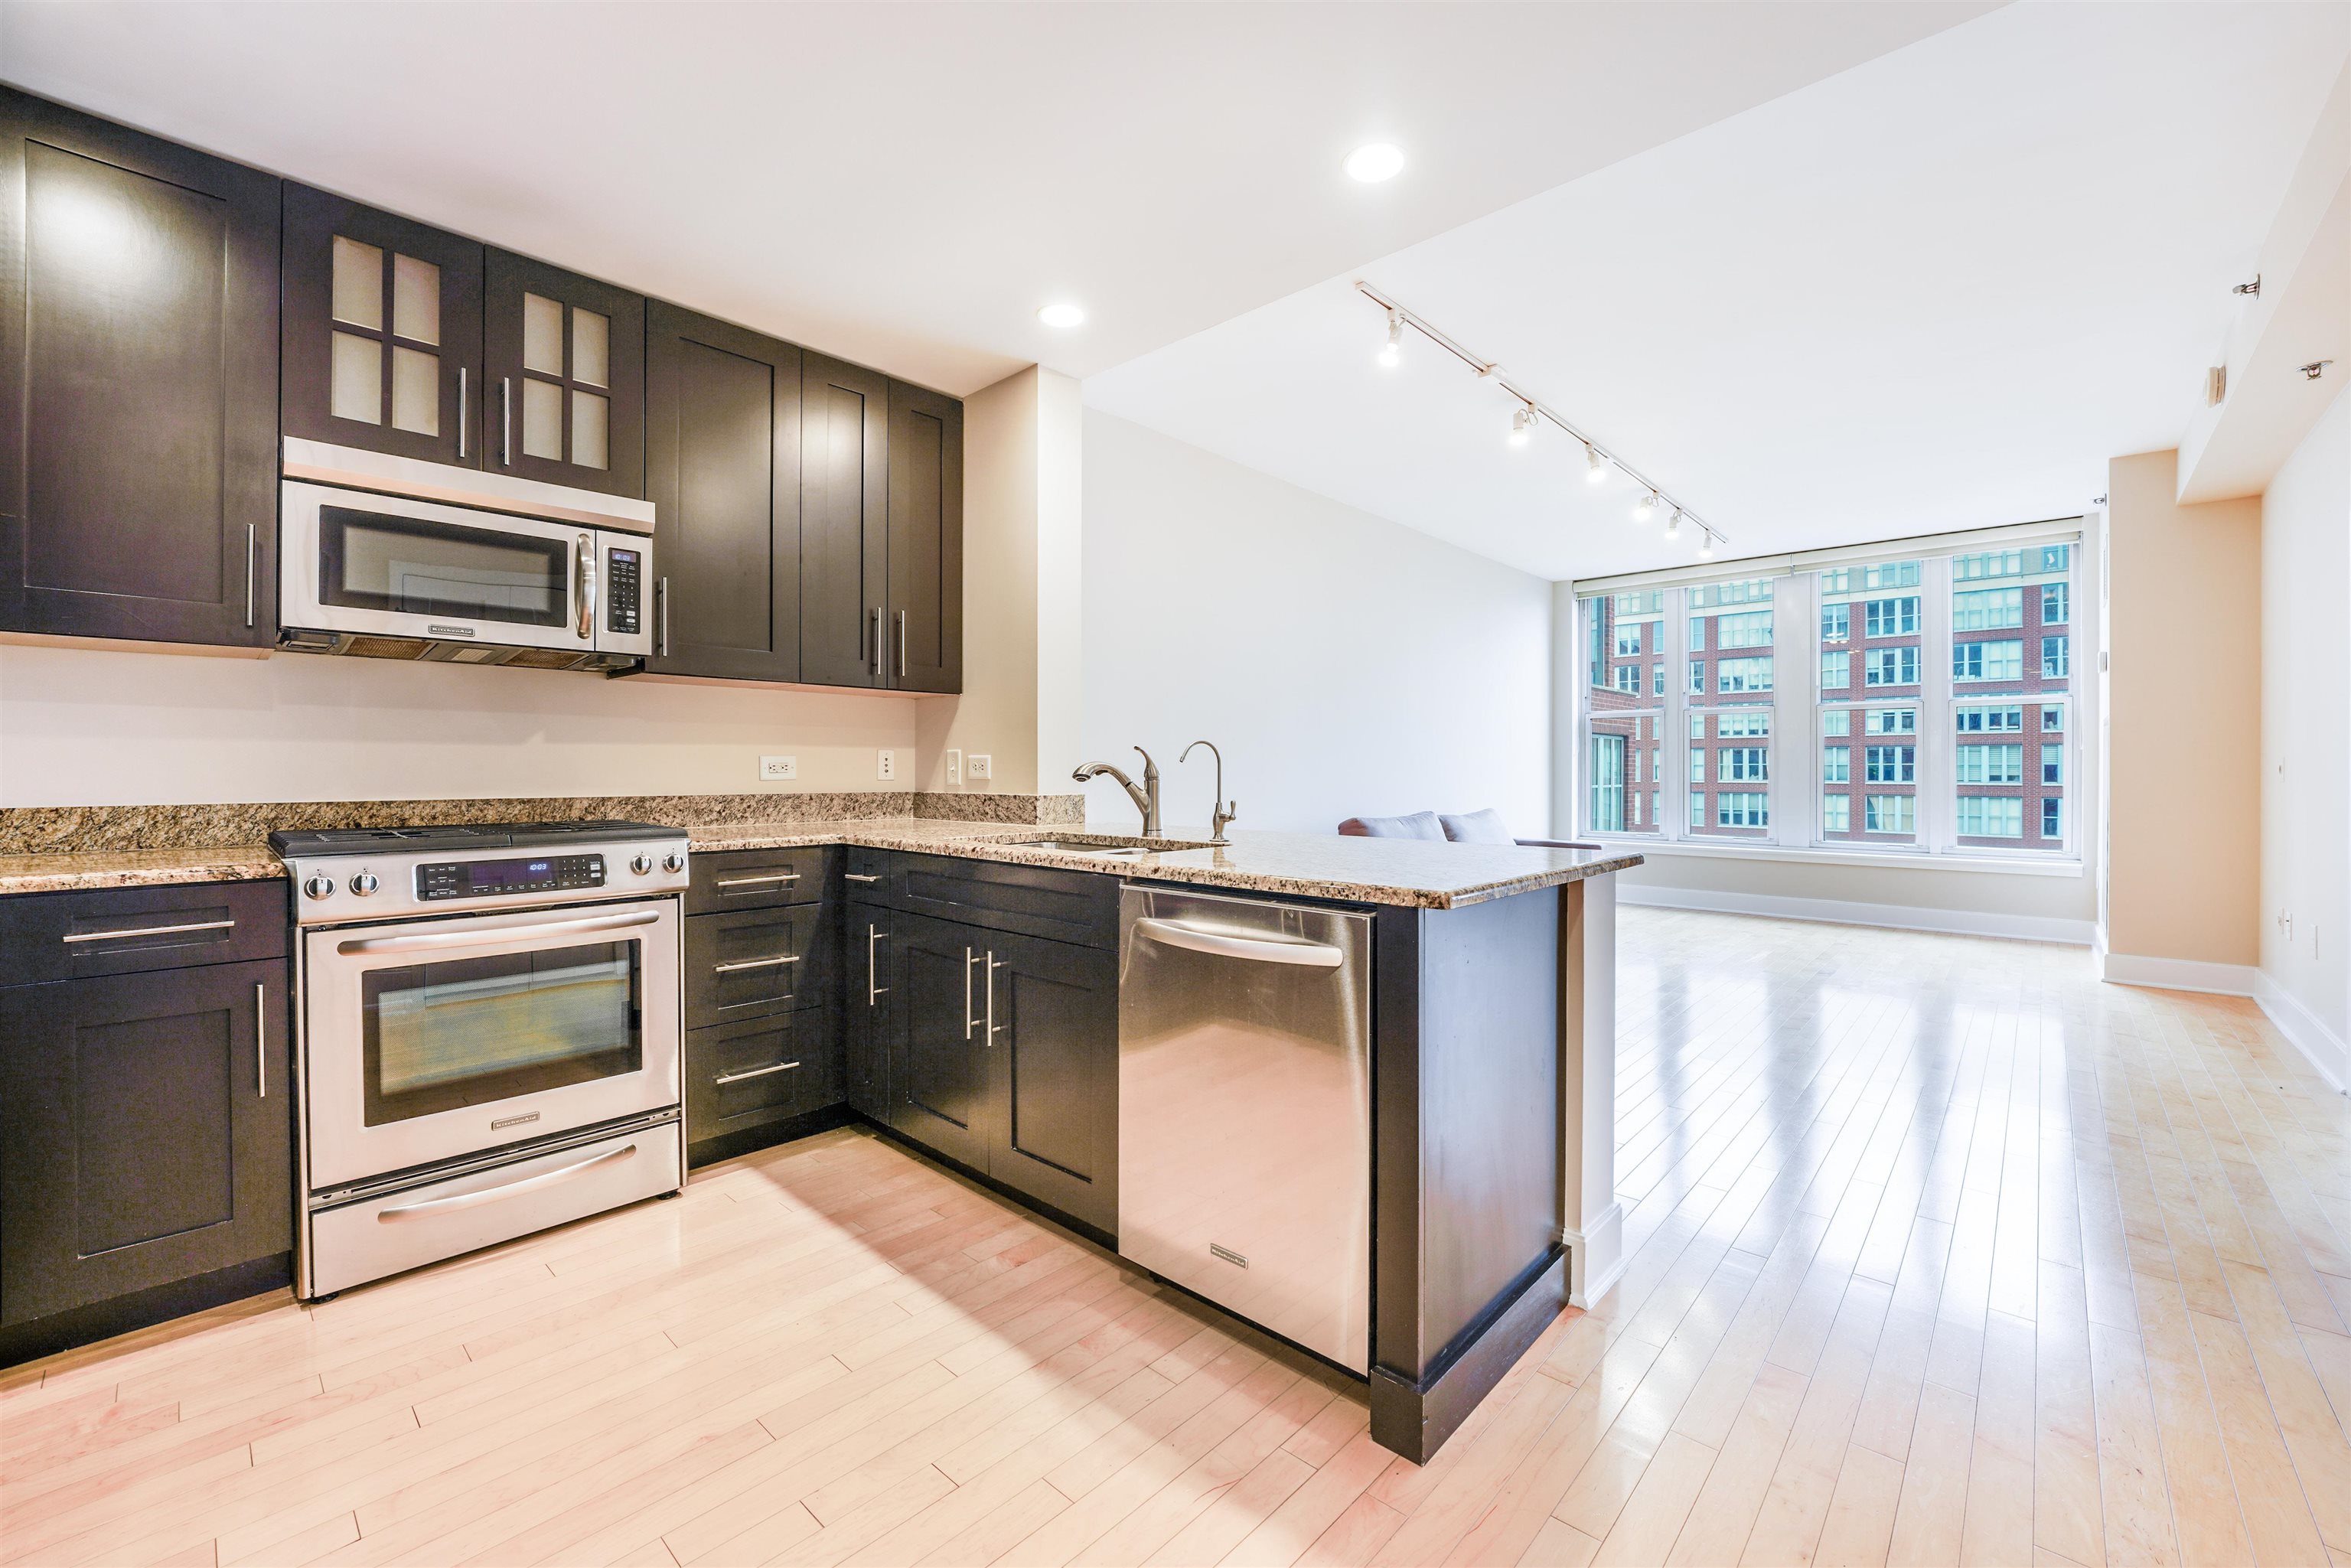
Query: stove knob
column 319, row 884
column 672, row 861
column 642, row 866
column 365, row 883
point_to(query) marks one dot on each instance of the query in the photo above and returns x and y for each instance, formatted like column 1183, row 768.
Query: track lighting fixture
column 1706, row 548
column 1532, row 411
column 1673, row 525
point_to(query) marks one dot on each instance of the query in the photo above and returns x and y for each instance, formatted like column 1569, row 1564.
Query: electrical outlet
column 955, row 769
column 889, row 765
column 983, row 766
column 772, row 768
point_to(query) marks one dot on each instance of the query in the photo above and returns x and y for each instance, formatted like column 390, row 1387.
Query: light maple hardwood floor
column 1941, row 1252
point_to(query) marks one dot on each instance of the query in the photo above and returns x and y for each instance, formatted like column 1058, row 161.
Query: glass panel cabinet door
column 381, row 332
column 566, row 365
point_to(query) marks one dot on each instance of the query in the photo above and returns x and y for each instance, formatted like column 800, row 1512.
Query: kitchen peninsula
column 1491, row 1055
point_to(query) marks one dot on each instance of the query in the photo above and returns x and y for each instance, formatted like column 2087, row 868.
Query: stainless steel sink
column 1071, row 847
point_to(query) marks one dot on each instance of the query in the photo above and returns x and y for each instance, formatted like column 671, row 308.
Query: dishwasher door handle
column 1232, row 944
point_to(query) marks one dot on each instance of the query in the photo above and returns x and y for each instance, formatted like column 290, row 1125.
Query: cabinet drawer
column 1064, row 906
column 748, row 1074
column 754, row 962
column 130, row 930
column 867, row 870
column 759, row 879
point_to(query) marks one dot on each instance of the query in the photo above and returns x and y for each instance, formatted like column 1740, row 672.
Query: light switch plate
column 955, row 769
column 773, row 769
column 983, row 766
column 889, row 765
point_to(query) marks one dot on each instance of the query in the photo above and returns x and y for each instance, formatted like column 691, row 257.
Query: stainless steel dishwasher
column 1244, row 1109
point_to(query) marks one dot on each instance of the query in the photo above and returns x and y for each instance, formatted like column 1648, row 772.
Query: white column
column 1594, row 1225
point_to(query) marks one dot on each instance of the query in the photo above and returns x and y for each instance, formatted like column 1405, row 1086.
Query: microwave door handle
column 495, row 935
column 584, row 578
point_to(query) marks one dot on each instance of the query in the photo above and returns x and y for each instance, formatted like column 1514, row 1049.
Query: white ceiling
column 904, row 184
column 1938, row 291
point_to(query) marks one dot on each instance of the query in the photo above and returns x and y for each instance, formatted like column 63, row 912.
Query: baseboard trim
column 1844, row 912
column 2176, row 974
column 1597, row 1257
column 2320, row 1046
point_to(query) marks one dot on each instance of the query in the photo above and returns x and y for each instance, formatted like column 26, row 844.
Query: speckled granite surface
column 1411, row 872
column 1050, row 810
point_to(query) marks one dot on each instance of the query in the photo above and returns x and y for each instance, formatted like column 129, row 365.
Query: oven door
column 427, row 1041
column 391, row 566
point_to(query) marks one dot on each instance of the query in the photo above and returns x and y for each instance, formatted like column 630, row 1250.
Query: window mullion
column 1938, row 766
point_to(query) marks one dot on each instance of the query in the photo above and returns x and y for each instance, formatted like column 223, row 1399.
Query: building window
column 2054, row 605
column 1625, row 677
column 1751, row 630
column 1733, row 676
column 1892, row 617
column 1891, row 814
column 1991, row 765
column 1892, row 721
column 1697, row 678
column 1697, row 764
column 1837, row 622
column 1986, row 564
column 1698, row 810
column 1744, row 721
column 2056, row 659
column 1890, row 574
column 1836, row 721
column 1988, row 660
column 1608, row 783
column 1698, row 725
column 1697, row 634
column 1628, row 640
column 1837, row 672
column 1989, row 720
column 1836, row 813
column 1890, row 667
column 1893, row 763
column 1836, row 765
column 1991, row 817
column 2053, row 719
column 2053, row 819
column 1743, row 810
column 1745, row 764
column 2053, row 767
column 1988, row 610
column 1659, row 686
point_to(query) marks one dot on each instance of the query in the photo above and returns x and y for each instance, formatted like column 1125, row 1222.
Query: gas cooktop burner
column 459, row 836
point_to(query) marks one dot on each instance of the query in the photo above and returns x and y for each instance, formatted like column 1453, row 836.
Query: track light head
column 1522, row 423
column 1673, row 525
column 1392, row 355
column 1645, row 507
column 1595, row 467
column 1706, row 548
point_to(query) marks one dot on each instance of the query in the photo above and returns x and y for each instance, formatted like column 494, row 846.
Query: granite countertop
column 1407, row 872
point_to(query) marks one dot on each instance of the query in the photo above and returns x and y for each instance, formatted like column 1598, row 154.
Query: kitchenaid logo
column 451, row 630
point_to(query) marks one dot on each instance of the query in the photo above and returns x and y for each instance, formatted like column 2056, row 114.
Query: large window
column 1933, row 695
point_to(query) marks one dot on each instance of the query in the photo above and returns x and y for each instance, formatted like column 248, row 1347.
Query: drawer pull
column 148, row 931
column 752, row 963
column 432, row 1205
column 758, row 881
column 858, row 876
column 756, row 1072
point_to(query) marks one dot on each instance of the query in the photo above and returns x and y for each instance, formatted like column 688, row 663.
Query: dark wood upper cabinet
column 382, row 340
column 564, row 377
column 138, row 384
column 723, row 471
column 844, row 522
column 925, row 540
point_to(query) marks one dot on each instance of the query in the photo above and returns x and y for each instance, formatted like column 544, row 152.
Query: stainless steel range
column 491, row 1025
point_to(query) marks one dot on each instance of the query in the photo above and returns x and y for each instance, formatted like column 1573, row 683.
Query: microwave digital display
column 478, row 879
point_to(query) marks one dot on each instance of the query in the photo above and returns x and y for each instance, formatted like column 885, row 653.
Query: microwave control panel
column 624, row 591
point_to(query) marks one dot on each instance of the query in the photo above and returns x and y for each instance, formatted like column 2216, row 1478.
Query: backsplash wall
column 98, row 727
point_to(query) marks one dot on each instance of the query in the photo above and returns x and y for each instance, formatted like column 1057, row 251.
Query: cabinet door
column 844, row 523
column 925, row 540
column 723, row 471
column 1055, row 1075
column 383, row 342
column 940, row 1057
column 145, row 1131
column 754, row 962
column 564, row 359
column 865, row 1010
column 138, row 384
column 745, row 1075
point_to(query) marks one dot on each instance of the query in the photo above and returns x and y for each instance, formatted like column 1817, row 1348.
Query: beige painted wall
column 2183, row 715
column 1022, row 583
column 2305, row 716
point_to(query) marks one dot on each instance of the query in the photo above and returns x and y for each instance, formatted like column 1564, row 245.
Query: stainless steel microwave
column 393, row 557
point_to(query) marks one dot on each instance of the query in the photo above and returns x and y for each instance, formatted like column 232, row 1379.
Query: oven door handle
column 495, row 935
column 433, row 1206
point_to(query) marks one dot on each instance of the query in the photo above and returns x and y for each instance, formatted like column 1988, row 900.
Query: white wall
column 1345, row 665
column 2305, row 801
column 98, row 727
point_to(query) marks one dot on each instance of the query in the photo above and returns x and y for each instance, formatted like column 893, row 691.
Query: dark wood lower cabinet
column 865, row 1010
column 759, row 1072
column 146, row 1132
column 1004, row 1057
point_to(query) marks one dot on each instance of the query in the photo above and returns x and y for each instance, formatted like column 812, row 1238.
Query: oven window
column 469, row 1032
column 377, row 561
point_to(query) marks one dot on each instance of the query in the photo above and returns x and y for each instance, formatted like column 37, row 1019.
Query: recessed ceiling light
column 1061, row 314
column 1378, row 161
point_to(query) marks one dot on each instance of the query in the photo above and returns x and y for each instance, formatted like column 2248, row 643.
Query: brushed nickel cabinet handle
column 506, row 422
column 880, row 655
column 858, row 876
column 992, row 967
column 74, row 937
column 872, row 991
column 461, row 413
column 758, row 881
column 660, row 593
column 756, row 1072
column 261, row 1037
column 252, row 545
column 970, row 1022
column 753, row 964
column 902, row 644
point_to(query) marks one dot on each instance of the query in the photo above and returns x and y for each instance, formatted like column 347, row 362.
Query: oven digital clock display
column 536, row 873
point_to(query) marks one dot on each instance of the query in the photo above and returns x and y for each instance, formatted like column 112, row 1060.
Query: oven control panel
column 437, row 880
